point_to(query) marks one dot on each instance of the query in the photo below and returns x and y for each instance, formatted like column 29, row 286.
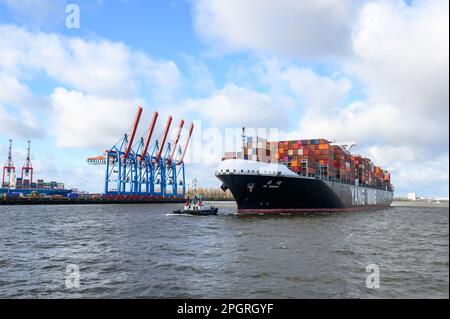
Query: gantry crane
column 143, row 169
column 27, row 168
column 9, row 171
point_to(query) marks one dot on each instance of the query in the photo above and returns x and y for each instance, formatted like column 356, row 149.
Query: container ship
column 302, row 176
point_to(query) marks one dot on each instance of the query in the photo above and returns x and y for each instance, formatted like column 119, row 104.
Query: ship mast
column 244, row 137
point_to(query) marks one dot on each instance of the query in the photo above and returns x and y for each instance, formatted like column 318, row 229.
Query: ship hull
column 280, row 194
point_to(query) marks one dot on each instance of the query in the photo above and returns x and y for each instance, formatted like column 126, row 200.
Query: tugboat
column 195, row 206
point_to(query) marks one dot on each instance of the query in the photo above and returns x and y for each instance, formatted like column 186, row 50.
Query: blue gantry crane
column 145, row 169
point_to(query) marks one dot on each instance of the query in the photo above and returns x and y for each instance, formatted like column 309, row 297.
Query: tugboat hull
column 203, row 212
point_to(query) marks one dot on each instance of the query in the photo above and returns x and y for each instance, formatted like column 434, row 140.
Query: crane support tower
column 9, row 171
column 144, row 168
column 27, row 168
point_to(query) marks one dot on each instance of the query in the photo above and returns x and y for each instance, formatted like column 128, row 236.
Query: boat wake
column 172, row 214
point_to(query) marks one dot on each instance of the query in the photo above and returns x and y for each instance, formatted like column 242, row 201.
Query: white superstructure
column 248, row 167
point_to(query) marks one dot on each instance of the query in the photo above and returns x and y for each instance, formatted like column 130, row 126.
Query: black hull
column 277, row 194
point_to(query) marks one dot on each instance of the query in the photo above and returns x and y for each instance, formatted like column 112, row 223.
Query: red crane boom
column 161, row 146
column 149, row 135
column 176, row 141
column 133, row 131
column 187, row 143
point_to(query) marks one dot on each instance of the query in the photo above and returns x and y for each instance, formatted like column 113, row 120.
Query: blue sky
column 372, row 72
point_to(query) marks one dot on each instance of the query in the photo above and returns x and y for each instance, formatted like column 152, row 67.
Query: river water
column 144, row 251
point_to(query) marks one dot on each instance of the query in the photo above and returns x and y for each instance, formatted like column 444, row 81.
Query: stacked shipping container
column 297, row 155
column 258, row 149
column 315, row 157
column 232, row 155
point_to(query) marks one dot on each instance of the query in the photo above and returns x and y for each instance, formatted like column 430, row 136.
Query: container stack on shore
column 22, row 183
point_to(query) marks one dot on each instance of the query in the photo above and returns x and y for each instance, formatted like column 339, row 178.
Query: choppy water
column 128, row 251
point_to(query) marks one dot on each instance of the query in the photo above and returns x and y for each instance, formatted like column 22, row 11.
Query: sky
column 372, row 72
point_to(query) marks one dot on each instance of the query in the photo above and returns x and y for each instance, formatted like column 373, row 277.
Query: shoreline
column 86, row 201
column 410, row 203
column 100, row 201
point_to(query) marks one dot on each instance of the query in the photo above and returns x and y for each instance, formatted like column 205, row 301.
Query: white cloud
column 402, row 55
column 301, row 28
column 199, row 77
column 428, row 178
column 369, row 124
column 162, row 78
column 92, row 66
column 13, row 92
column 18, row 95
column 402, row 59
column 21, row 123
column 320, row 93
column 235, row 106
column 83, row 120
column 100, row 83
column 413, row 169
